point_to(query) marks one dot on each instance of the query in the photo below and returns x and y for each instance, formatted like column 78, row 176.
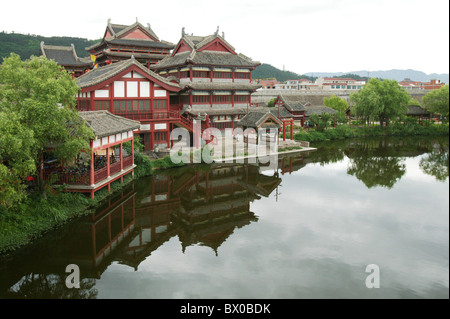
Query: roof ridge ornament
column 182, row 32
column 217, row 31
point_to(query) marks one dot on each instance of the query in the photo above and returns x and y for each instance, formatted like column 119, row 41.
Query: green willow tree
column 336, row 103
column 37, row 99
column 437, row 101
column 380, row 99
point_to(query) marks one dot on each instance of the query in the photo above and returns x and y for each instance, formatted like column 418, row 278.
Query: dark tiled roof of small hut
column 294, row 103
column 318, row 109
column 256, row 118
column 63, row 55
column 103, row 123
column 417, row 110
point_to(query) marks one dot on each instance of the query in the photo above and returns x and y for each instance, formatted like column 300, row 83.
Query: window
column 241, row 98
column 242, row 75
column 101, row 105
column 160, row 104
column 184, row 74
column 201, row 74
column 200, row 99
column 160, row 137
column 84, row 105
column 222, row 75
column 222, row 99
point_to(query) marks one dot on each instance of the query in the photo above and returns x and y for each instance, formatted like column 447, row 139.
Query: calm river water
column 308, row 229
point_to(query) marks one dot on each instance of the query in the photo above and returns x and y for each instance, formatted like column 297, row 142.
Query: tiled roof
column 417, row 110
column 318, row 109
column 294, row 103
column 63, row 55
column 257, row 119
column 104, row 73
column 118, row 30
column 103, row 123
column 214, row 58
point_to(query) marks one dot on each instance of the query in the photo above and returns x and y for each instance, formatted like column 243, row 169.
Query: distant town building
column 268, row 84
column 434, row 84
column 319, row 84
column 340, row 83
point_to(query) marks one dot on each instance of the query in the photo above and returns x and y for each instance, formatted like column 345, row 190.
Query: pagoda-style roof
column 294, row 103
column 107, row 72
column 210, row 58
column 104, row 123
column 200, row 51
column 63, row 55
column 260, row 119
column 115, row 34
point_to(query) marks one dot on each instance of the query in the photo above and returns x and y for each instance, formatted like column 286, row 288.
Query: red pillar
column 132, row 152
column 91, row 169
column 121, row 156
column 284, row 130
column 108, row 164
column 292, row 130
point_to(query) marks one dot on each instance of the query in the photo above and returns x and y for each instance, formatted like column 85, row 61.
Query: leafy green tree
column 436, row 101
column 271, row 103
column 380, row 99
column 16, row 164
column 336, row 103
column 39, row 97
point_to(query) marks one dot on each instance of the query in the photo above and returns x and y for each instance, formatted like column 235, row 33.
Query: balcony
column 79, row 175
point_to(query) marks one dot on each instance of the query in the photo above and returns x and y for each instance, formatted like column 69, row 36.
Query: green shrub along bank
column 35, row 216
column 345, row 131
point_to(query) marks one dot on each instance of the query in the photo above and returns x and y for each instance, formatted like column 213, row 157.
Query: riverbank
column 345, row 131
column 37, row 216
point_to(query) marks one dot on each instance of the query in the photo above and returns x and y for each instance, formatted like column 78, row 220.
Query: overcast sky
column 303, row 36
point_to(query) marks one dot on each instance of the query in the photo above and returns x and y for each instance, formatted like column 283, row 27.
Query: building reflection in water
column 201, row 205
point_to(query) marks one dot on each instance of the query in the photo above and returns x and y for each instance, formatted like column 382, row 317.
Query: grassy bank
column 36, row 216
column 345, row 131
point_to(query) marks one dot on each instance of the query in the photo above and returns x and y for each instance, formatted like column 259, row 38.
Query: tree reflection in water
column 436, row 163
column 200, row 205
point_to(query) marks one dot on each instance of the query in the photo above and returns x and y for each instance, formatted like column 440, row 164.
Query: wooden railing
column 101, row 174
column 59, row 178
column 127, row 161
column 114, row 168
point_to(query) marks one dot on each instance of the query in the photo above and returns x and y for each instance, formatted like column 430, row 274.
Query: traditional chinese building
column 120, row 42
column 216, row 81
column 295, row 105
column 66, row 56
column 129, row 89
column 106, row 161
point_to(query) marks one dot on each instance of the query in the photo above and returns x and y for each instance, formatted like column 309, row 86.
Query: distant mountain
column 267, row 71
column 398, row 75
column 27, row 45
